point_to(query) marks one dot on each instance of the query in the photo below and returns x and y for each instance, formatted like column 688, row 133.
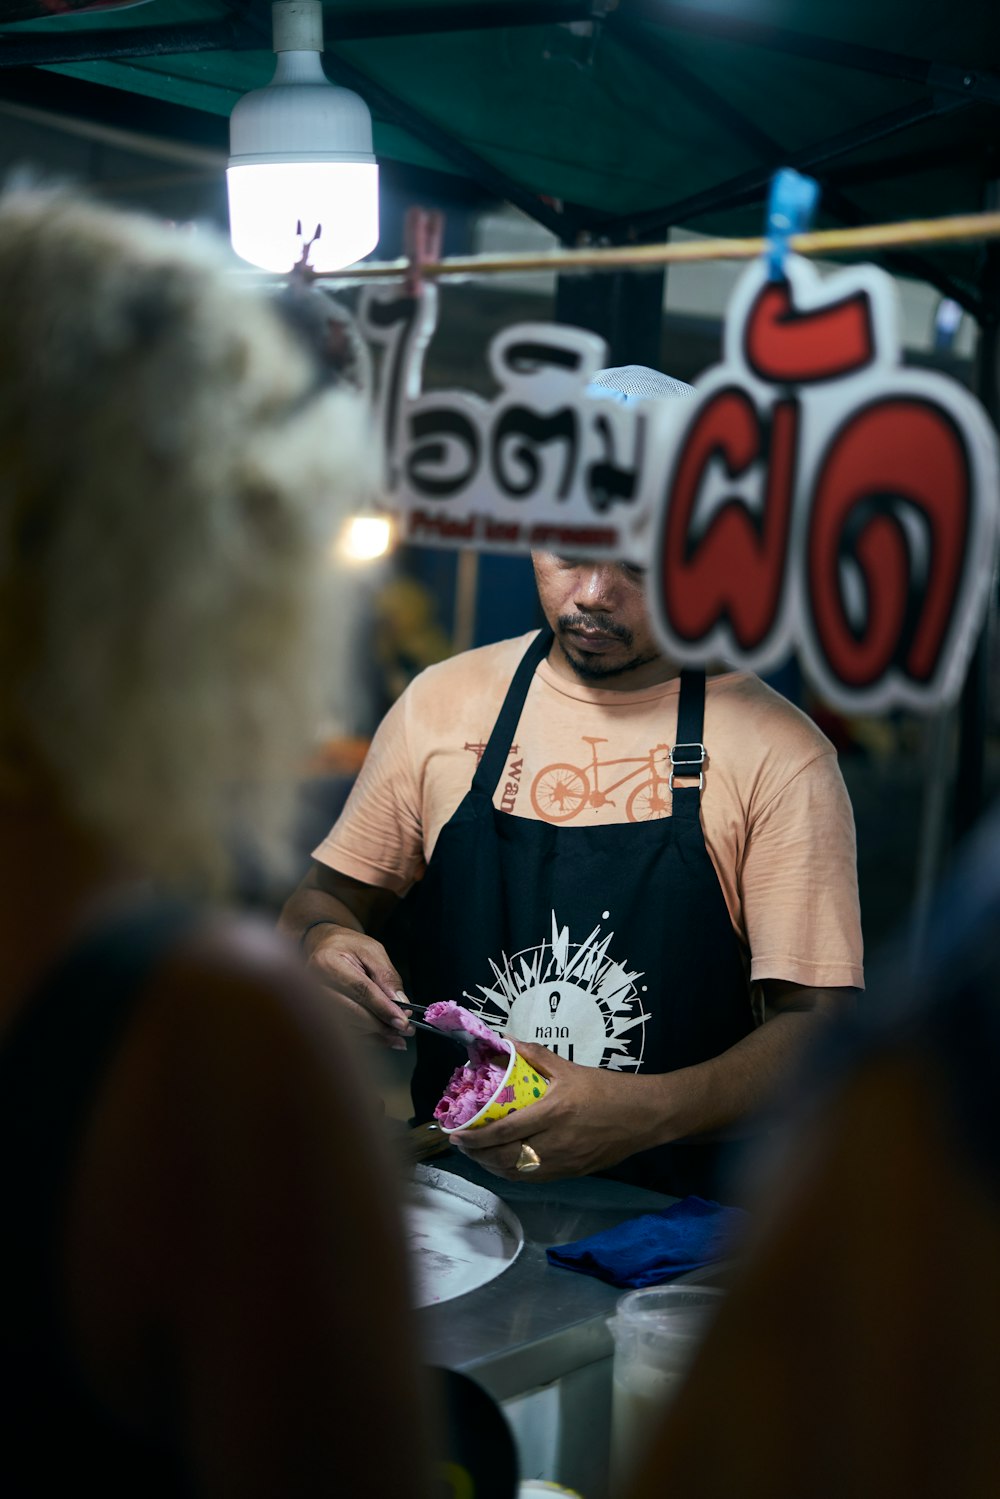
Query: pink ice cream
column 471, row 1086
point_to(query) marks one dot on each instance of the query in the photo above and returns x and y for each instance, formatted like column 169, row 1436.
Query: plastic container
column 656, row 1333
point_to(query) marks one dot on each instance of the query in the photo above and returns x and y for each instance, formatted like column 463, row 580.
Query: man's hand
column 358, row 970
column 330, row 916
column 589, row 1119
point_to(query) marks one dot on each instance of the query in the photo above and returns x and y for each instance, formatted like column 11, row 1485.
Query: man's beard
column 595, row 668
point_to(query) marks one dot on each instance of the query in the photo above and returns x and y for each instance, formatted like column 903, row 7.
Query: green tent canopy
column 611, row 120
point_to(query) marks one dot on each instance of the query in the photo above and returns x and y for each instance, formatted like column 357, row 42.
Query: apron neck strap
column 687, row 758
column 491, row 766
column 687, row 755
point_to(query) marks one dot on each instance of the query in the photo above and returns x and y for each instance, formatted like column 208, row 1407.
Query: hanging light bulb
column 302, row 173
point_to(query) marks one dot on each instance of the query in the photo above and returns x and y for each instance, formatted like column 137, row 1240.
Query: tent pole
column 939, row 766
column 624, row 307
column 26, row 50
column 974, row 705
column 955, row 742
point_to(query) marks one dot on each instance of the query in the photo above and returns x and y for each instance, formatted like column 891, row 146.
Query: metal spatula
column 464, row 1038
column 432, row 1030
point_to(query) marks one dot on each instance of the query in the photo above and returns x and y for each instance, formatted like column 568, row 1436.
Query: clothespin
column 302, row 272
column 790, row 207
column 423, row 236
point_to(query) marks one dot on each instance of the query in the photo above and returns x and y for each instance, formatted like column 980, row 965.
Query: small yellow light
column 366, row 538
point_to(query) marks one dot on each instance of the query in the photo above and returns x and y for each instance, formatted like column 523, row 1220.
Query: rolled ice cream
column 495, row 1079
column 471, row 1086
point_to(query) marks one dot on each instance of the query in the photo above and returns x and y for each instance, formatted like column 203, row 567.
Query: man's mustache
column 599, row 625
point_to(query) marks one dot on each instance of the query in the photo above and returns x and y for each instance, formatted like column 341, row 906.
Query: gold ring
column 528, row 1160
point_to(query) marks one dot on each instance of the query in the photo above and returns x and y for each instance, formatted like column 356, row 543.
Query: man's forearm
column 309, row 906
column 325, row 896
column 332, row 918
column 722, row 1092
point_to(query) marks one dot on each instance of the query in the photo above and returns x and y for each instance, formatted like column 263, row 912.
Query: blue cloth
column 645, row 1251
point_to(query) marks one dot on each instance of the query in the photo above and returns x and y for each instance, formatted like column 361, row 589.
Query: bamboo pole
column 909, row 234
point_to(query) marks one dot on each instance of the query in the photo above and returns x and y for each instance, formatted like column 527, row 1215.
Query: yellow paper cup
column 521, row 1086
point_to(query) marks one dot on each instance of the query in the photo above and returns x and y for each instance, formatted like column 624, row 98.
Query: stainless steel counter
column 534, row 1323
column 536, row 1337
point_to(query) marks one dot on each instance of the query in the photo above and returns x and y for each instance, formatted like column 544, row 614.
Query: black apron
column 611, row 945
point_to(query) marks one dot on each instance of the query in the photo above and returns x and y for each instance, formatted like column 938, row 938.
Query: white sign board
column 813, row 496
column 824, row 499
column 541, row 465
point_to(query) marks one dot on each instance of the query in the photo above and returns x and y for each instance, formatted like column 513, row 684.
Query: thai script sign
column 813, row 496
column 824, row 499
column 541, row 465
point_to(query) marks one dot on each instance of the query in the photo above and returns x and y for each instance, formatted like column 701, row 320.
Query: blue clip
column 790, row 208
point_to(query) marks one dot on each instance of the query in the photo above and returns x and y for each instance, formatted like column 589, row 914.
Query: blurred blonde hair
column 171, row 472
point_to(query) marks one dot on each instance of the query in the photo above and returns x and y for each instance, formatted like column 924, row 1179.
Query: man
column 670, row 923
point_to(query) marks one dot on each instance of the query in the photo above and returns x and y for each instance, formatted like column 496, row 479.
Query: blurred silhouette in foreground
column 856, row 1354
column 202, row 1276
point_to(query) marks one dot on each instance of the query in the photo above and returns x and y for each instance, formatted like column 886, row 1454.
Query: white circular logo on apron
column 572, row 997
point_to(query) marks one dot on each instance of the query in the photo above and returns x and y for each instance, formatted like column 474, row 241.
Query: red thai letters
column 886, row 523
column 735, row 569
column 788, row 347
column 899, row 451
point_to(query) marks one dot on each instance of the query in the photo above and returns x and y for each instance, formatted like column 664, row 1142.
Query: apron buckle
column 686, row 760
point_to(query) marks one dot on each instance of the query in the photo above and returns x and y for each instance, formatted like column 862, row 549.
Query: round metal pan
column 460, row 1235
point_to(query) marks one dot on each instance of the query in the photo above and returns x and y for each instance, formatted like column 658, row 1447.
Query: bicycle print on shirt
column 562, row 791
column 572, row 997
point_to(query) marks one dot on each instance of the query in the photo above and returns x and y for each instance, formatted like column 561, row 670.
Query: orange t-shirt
column 776, row 814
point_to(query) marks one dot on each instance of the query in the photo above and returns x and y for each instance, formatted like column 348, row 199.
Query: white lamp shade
column 300, row 152
column 269, row 200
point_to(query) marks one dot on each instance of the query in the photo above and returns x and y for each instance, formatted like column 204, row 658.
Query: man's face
column 597, row 611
